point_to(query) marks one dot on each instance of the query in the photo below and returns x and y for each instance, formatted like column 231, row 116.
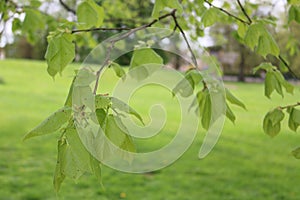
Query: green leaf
column 294, row 119
column 32, row 24
column 85, row 77
column 293, row 2
column 270, row 82
column 101, row 116
column 258, row 36
column 210, row 16
column 90, row 14
column 59, row 176
column 60, row 52
column 232, row 99
column 117, row 134
column 68, row 101
column 96, row 168
column 294, row 14
column 205, row 108
column 160, row 5
column 267, row 45
column 144, row 56
column 288, row 87
column 119, row 71
column 264, row 66
column 271, row 123
column 78, row 152
column 51, row 124
column 274, row 80
column 16, row 25
column 146, row 60
column 122, row 106
column 229, row 114
column 296, row 153
column 186, row 86
column 102, row 101
column 242, row 29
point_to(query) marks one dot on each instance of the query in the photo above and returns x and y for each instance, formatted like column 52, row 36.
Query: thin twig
column 134, row 30
column 289, row 106
column 227, row 13
column 185, row 38
column 101, row 29
column 287, row 66
column 244, row 11
column 67, row 7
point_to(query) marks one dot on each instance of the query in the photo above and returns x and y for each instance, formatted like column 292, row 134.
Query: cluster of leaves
column 73, row 159
column 204, row 107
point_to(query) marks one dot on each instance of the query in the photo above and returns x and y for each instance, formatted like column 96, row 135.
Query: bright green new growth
column 90, row 14
column 60, row 52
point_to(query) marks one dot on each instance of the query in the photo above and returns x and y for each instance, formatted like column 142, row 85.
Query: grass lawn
column 245, row 164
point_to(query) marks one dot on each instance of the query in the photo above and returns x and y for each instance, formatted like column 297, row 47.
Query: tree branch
column 67, row 7
column 185, row 38
column 134, row 30
column 288, row 106
column 101, row 29
column 227, row 13
column 244, row 11
column 287, row 66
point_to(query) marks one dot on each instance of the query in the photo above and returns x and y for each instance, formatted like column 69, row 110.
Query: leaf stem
column 288, row 106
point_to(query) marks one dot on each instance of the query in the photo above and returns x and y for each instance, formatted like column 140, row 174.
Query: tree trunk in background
column 241, row 76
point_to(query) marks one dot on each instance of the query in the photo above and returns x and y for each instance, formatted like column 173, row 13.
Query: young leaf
column 68, row 101
column 296, row 153
column 101, row 116
column 288, row 87
column 264, row 66
column 205, row 108
column 160, row 5
column 232, row 99
column 59, row 176
column 90, row 14
column 294, row 14
column 80, row 155
column 210, row 16
column 185, row 87
column 294, row 119
column 51, row 124
column 122, row 106
column 102, row 101
column 145, row 61
column 144, row 56
column 119, row 71
column 229, row 114
column 60, row 52
column 271, row 123
column 33, row 22
column 96, row 168
column 118, row 136
column 270, row 84
column 258, row 36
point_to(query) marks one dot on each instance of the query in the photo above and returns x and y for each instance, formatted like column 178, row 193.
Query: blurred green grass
column 245, row 164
